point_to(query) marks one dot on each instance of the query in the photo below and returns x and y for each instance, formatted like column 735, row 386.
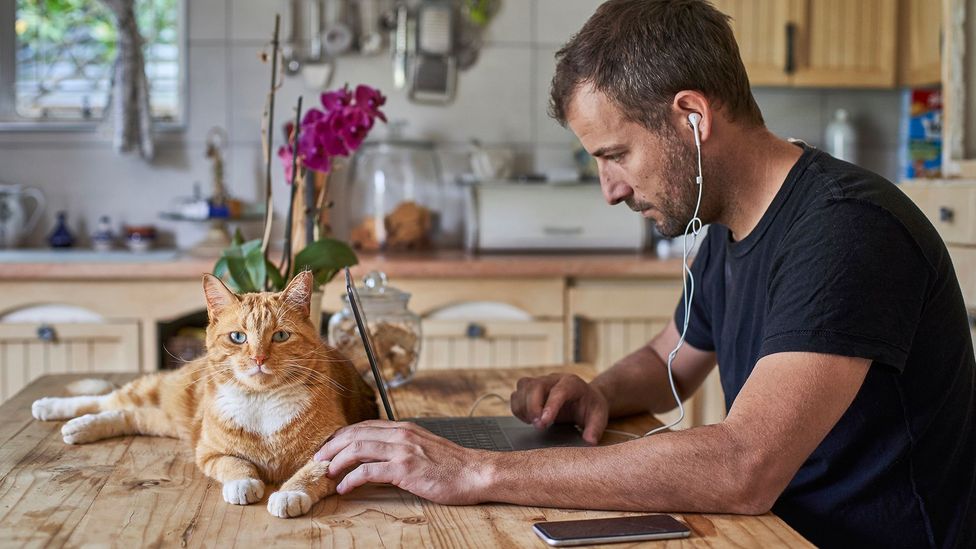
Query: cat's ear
column 298, row 293
column 219, row 297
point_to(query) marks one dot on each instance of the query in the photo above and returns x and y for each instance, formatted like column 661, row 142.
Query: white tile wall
column 502, row 101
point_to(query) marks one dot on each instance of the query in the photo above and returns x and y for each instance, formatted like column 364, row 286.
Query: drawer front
column 491, row 344
column 28, row 351
column 950, row 207
column 964, row 261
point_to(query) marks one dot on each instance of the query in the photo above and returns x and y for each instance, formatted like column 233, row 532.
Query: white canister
column 840, row 139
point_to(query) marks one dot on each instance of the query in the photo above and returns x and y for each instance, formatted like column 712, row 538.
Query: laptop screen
column 357, row 312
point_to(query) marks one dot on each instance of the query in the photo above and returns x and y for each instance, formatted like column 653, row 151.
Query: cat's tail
column 90, row 386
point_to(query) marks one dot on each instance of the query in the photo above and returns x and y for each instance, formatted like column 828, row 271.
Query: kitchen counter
column 47, row 265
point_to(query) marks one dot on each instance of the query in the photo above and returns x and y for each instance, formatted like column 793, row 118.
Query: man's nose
column 615, row 191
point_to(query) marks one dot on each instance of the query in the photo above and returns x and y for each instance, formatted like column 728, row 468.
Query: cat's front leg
column 241, row 482
column 299, row 493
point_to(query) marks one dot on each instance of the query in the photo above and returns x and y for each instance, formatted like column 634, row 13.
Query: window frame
column 8, row 80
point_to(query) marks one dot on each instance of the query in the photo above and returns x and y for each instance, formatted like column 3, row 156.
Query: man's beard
column 676, row 205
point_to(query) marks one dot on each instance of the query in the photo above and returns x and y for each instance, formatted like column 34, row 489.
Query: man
column 828, row 301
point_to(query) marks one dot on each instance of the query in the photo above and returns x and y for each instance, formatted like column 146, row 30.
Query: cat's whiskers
column 315, row 375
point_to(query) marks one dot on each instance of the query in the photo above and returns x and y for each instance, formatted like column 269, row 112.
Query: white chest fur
column 260, row 413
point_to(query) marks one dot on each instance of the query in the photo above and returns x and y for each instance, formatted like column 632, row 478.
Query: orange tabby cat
column 255, row 409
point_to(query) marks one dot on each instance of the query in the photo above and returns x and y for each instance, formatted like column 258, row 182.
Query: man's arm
column 639, row 381
column 786, row 408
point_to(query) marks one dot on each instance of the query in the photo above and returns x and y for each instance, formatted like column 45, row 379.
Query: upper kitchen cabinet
column 816, row 43
column 763, row 29
column 920, row 43
column 959, row 89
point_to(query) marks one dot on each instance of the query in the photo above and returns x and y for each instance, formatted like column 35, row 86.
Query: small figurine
column 61, row 237
column 103, row 240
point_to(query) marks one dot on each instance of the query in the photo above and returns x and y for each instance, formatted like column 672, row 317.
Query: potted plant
column 313, row 142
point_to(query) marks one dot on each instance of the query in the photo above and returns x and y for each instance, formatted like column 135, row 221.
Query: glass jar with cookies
column 394, row 331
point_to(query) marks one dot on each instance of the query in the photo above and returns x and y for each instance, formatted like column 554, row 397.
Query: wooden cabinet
column 951, row 207
column 762, row 29
column 817, row 43
column 920, row 43
column 848, row 43
column 491, row 344
column 28, row 351
column 613, row 318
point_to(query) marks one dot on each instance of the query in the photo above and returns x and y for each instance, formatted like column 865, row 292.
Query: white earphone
column 688, row 281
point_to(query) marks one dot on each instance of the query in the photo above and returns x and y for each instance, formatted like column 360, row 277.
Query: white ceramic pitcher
column 14, row 222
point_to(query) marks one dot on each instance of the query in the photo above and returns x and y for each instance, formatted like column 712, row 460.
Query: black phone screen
column 612, row 527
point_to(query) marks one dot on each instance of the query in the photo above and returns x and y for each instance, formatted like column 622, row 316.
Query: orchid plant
column 322, row 135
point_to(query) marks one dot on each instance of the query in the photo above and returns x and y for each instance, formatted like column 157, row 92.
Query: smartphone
column 567, row 533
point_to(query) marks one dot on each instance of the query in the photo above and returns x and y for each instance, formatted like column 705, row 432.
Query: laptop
column 501, row 433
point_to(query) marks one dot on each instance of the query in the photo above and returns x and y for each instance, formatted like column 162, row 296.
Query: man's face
column 652, row 172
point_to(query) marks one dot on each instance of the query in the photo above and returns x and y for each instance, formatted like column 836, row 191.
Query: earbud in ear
column 694, row 118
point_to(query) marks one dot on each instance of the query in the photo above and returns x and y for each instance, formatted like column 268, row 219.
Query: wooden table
column 142, row 491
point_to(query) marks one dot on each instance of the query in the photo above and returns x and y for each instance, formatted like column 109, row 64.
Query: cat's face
column 260, row 340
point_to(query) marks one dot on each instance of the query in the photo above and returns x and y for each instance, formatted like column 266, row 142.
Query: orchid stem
column 269, row 215
column 296, row 132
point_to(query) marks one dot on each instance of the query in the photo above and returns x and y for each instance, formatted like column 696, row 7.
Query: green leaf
column 238, row 239
column 220, row 268
column 325, row 258
column 277, row 281
column 239, row 276
column 256, row 265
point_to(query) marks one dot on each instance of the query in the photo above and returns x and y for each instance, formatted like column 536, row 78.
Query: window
column 57, row 64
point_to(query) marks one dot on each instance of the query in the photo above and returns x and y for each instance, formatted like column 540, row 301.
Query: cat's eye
column 280, row 336
column 238, row 337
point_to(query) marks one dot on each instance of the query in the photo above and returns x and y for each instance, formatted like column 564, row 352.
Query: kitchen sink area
column 87, row 256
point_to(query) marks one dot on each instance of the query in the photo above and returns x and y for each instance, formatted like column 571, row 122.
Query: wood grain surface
column 146, row 492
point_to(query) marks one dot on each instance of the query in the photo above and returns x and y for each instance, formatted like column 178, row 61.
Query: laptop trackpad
column 524, row 436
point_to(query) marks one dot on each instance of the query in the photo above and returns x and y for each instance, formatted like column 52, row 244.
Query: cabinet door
column 491, row 344
column 761, row 29
column 848, row 43
column 920, row 43
column 616, row 317
column 28, row 351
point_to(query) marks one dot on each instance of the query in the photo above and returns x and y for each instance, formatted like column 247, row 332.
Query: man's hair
column 640, row 53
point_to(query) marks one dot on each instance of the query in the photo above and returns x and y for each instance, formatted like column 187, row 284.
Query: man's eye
column 280, row 336
column 238, row 337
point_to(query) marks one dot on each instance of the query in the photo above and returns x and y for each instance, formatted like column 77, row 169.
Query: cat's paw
column 51, row 408
column 244, row 491
column 288, row 504
column 92, row 427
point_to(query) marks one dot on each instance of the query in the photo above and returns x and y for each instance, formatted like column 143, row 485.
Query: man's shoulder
column 842, row 201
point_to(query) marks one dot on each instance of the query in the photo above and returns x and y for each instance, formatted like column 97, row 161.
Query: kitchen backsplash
column 501, row 101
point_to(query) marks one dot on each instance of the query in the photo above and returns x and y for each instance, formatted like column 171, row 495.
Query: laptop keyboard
column 470, row 432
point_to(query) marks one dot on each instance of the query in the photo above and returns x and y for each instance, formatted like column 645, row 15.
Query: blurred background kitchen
column 468, row 139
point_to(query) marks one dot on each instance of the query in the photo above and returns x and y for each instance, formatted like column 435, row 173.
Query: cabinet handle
column 790, row 67
column 475, row 331
column 45, row 332
column 946, row 214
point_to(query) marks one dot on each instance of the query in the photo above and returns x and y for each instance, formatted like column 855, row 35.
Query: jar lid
column 376, row 290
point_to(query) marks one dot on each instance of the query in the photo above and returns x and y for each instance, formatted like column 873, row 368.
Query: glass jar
column 394, row 331
column 397, row 199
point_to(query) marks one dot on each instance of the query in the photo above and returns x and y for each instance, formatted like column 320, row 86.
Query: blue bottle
column 61, row 237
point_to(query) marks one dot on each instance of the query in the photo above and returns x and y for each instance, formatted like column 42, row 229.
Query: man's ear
column 298, row 293
column 219, row 297
column 690, row 101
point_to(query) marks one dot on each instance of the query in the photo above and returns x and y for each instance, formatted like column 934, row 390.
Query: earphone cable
column 692, row 230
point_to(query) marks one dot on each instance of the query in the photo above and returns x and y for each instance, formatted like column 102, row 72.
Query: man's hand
column 561, row 397
column 407, row 456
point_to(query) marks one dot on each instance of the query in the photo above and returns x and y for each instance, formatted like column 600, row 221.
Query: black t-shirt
column 844, row 263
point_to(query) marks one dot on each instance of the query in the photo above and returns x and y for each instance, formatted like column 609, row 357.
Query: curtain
column 129, row 100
